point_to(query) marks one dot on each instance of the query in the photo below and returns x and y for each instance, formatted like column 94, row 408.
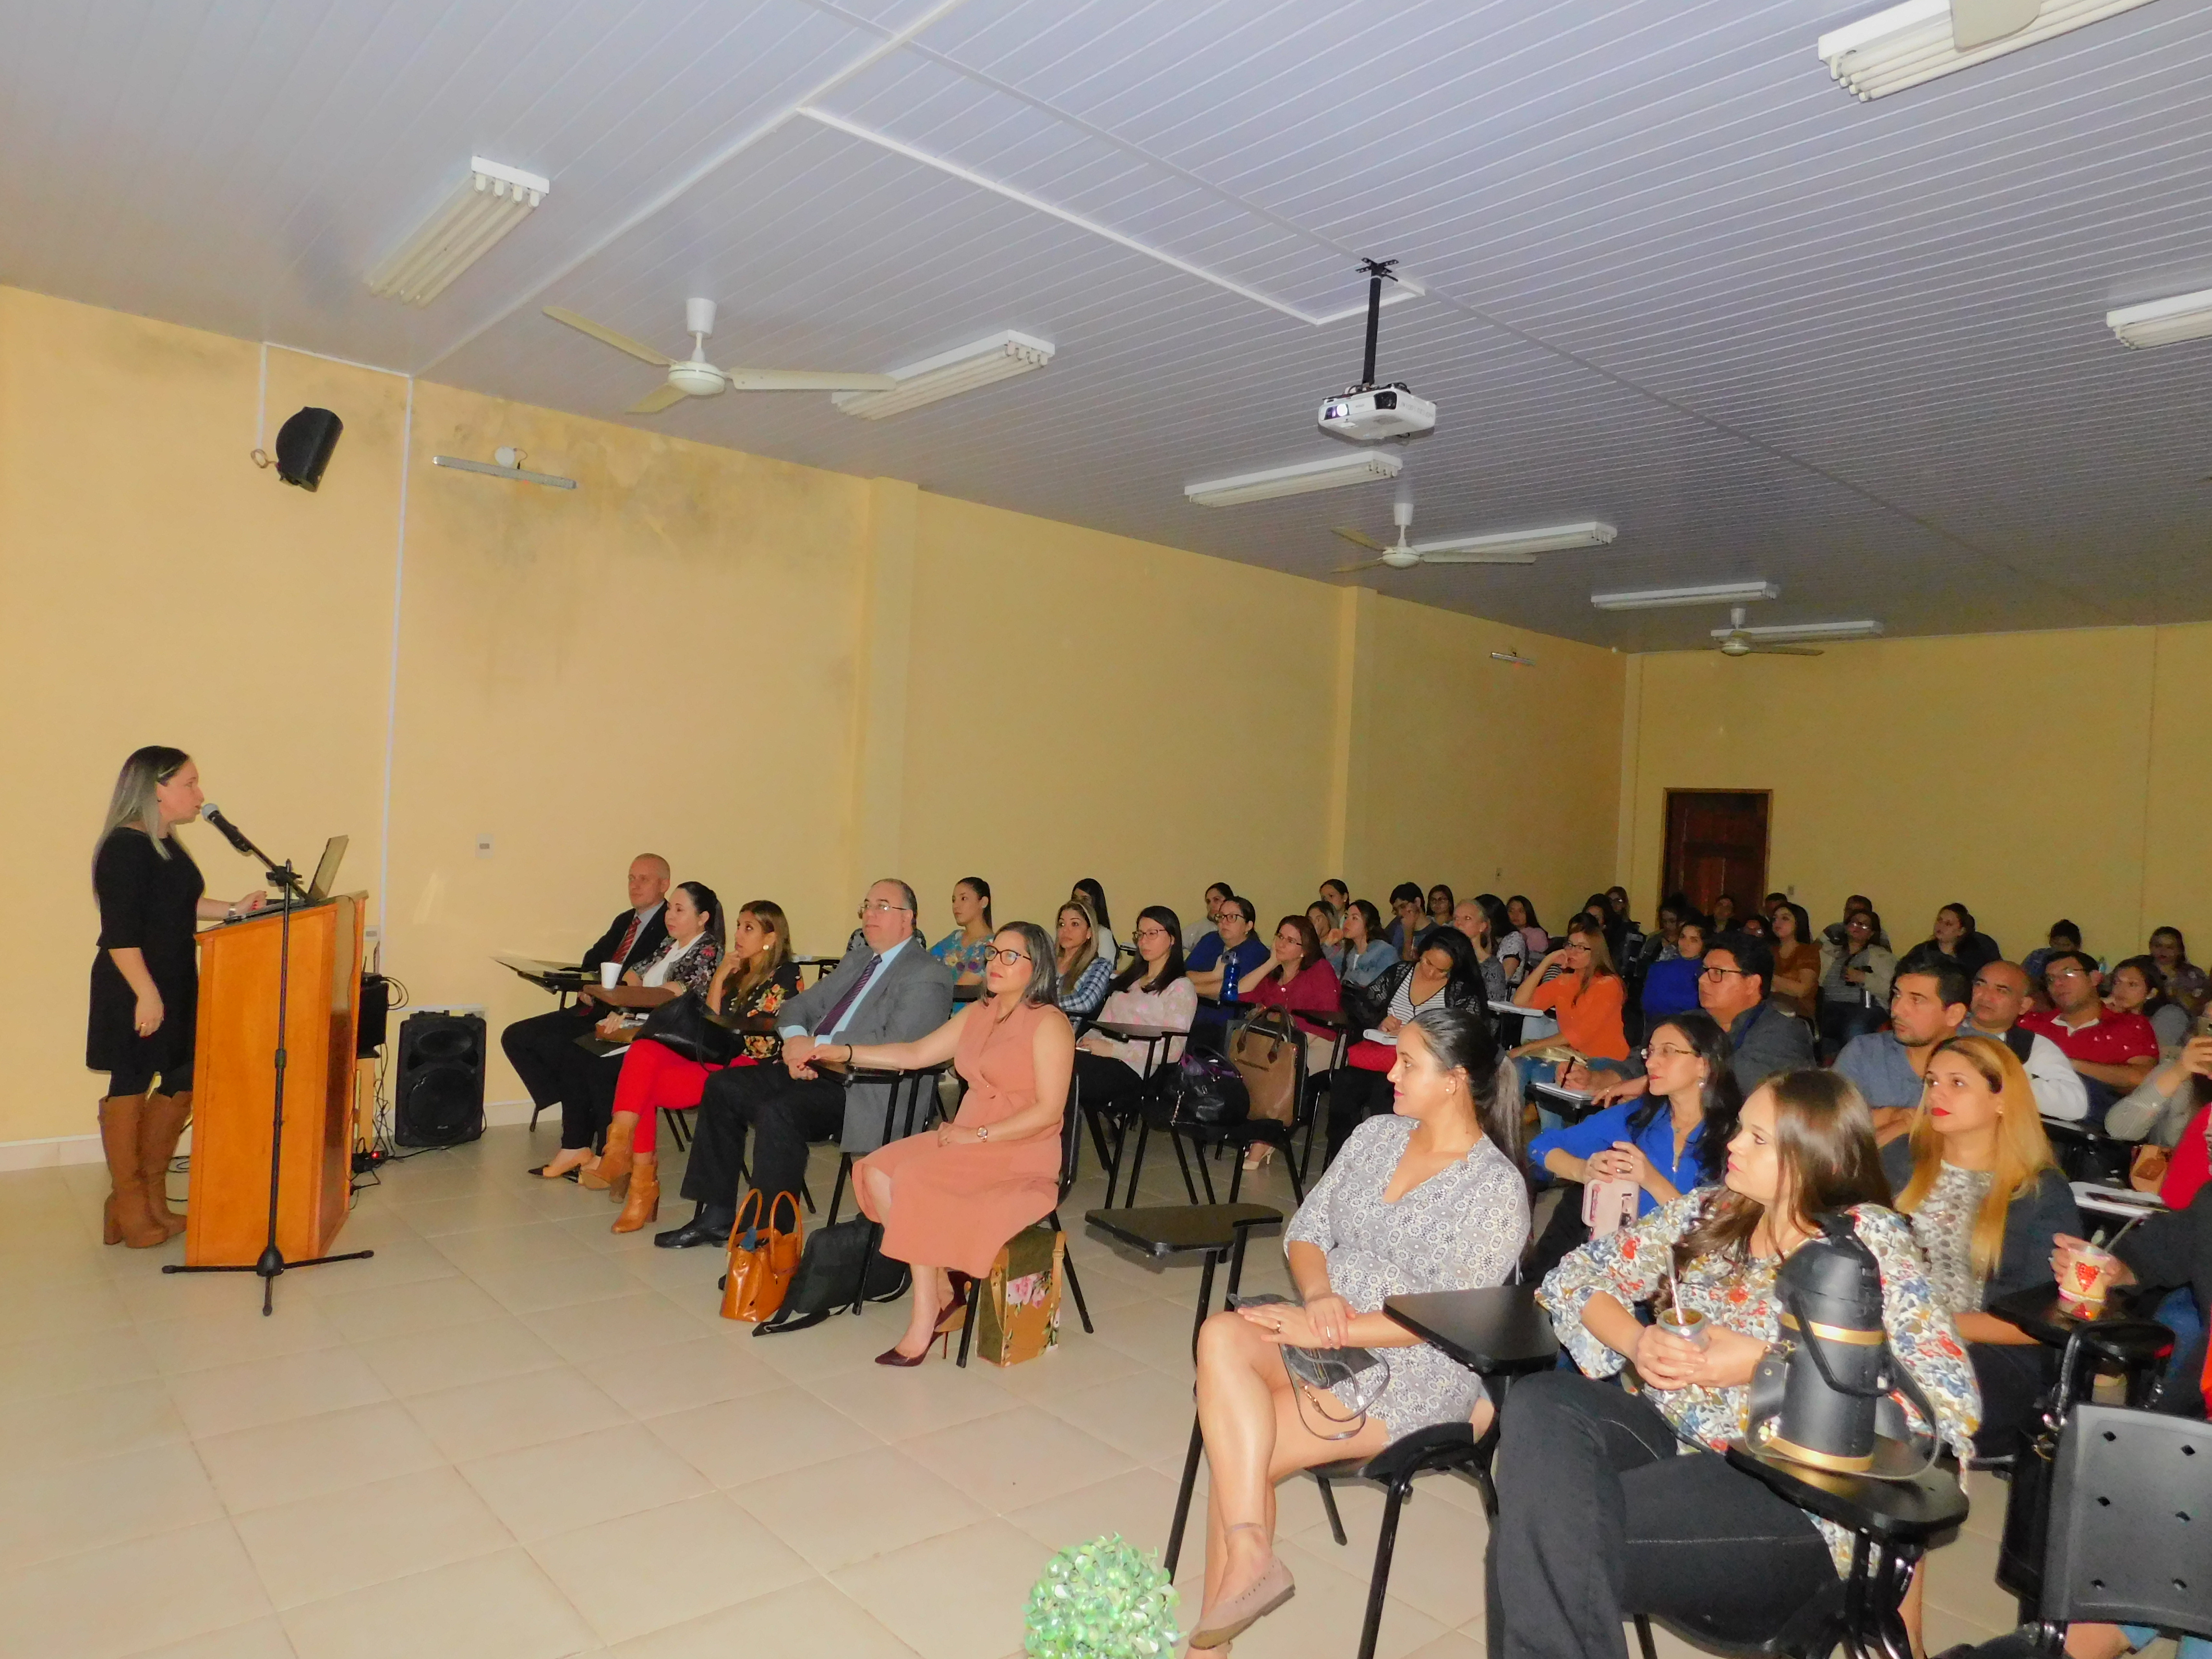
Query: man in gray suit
column 888, row 989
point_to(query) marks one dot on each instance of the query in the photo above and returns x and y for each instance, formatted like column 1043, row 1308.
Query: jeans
column 1599, row 1517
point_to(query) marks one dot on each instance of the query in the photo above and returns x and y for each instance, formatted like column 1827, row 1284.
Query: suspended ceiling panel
column 1664, row 271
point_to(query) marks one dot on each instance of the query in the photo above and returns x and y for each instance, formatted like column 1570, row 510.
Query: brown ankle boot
column 160, row 1125
column 129, row 1221
column 644, row 1203
column 614, row 1163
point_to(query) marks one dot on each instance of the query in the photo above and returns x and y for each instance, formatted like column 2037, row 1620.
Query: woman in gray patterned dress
column 1428, row 1198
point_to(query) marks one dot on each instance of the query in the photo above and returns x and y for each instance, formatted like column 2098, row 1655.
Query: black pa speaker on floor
column 438, row 1096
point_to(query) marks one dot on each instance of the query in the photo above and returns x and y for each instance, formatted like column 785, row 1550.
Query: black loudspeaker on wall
column 438, row 1097
column 304, row 444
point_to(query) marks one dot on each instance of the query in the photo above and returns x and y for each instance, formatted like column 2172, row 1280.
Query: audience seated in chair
column 1732, row 987
column 2112, row 1052
column 2185, row 982
column 1521, row 915
column 887, row 989
column 1612, row 1504
column 2000, row 998
column 1296, row 978
column 1673, row 1140
column 966, row 947
column 949, row 1198
column 1217, row 896
column 1954, row 936
column 1576, row 985
column 1469, row 916
column 2168, row 1111
column 1443, row 976
column 1408, row 919
column 2063, row 935
column 1364, row 955
column 1512, row 950
column 1154, row 990
column 539, row 1048
column 1928, row 1001
column 1208, row 962
column 1670, row 985
column 1854, row 975
column 1083, row 970
column 1986, row 1199
column 1429, row 1199
column 1796, row 960
column 2135, row 987
column 1089, row 893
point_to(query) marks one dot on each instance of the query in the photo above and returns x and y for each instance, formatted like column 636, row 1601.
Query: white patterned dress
column 1460, row 1229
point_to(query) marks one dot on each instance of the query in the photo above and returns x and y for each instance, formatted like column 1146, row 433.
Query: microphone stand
column 271, row 1264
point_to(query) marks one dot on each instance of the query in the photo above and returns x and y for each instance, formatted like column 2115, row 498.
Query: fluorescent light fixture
column 950, row 374
column 2161, row 322
column 1794, row 633
column 1664, row 598
column 1512, row 660
column 489, row 200
column 1921, row 39
column 1295, row 480
column 1552, row 538
column 494, row 470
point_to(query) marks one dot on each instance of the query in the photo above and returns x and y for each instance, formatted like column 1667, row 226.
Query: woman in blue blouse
column 1364, row 956
column 967, row 949
column 1673, row 1140
column 1670, row 986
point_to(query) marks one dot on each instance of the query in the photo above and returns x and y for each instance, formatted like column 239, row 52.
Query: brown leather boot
column 160, row 1125
column 614, row 1163
column 644, row 1203
column 129, row 1221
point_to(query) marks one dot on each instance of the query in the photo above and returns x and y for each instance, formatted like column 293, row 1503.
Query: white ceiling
column 1675, row 278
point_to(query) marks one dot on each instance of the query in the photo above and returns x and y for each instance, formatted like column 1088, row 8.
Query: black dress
column 151, row 903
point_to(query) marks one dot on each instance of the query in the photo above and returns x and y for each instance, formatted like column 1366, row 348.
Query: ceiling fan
column 1403, row 555
column 695, row 377
column 1784, row 639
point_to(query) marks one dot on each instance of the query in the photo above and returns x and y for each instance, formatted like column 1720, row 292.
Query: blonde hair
column 1085, row 953
column 2023, row 1149
column 134, row 804
column 769, row 914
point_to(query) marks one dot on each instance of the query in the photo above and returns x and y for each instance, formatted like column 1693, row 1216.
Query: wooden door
column 1716, row 844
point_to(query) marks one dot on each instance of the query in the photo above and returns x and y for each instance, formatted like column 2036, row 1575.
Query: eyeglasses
column 1726, row 973
column 2066, row 971
column 1152, row 932
column 1666, row 1051
column 1009, row 958
column 884, row 908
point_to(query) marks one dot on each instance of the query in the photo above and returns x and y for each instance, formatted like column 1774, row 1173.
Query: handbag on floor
column 1206, row 1092
column 830, row 1276
column 1018, row 1308
column 761, row 1261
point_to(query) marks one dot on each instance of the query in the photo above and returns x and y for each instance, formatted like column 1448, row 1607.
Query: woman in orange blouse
column 1583, row 994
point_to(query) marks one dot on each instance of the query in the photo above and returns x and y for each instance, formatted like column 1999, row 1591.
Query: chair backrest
column 1070, row 1129
column 2131, row 1539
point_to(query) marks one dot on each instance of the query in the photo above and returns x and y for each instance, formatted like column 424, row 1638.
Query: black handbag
column 830, row 1276
column 683, row 1027
column 1208, row 1092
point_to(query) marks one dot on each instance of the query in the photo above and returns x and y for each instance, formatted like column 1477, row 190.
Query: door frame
column 1666, row 820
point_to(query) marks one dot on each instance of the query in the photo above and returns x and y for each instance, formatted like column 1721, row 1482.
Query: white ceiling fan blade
column 1478, row 558
column 653, row 403
column 1358, row 539
column 1364, row 564
column 805, row 379
column 637, row 348
column 1781, row 651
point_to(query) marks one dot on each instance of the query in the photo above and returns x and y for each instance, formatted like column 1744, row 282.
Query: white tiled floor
column 514, row 1435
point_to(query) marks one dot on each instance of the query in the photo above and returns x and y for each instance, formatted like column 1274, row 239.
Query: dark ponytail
column 1463, row 1039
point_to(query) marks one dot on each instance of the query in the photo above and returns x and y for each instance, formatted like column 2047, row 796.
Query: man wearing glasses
column 1765, row 1037
column 2112, row 1052
column 887, row 989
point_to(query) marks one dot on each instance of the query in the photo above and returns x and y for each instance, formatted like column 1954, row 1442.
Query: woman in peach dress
column 950, row 1198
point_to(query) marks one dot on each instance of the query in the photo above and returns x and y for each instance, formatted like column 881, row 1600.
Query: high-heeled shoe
column 954, row 1314
column 614, row 1163
column 1229, row 1618
column 1256, row 1158
column 644, row 1203
column 891, row 1356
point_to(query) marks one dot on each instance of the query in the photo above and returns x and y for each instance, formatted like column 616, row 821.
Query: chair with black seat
column 1071, row 1144
column 920, row 1086
column 1240, row 1137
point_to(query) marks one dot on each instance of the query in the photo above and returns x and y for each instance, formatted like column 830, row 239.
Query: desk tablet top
column 1495, row 1328
column 1910, row 1511
column 1138, row 1033
column 1163, row 1229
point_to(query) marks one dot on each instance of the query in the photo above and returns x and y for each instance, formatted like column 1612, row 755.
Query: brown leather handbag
column 761, row 1261
column 1265, row 1052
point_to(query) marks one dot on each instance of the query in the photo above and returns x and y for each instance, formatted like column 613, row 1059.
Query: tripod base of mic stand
column 270, row 1267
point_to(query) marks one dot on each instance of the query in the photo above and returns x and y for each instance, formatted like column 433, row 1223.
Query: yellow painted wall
column 786, row 680
column 2027, row 775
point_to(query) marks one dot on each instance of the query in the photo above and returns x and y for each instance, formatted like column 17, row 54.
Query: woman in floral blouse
column 1600, row 1516
column 967, row 949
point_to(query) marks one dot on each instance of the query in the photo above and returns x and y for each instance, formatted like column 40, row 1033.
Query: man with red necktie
column 537, row 1047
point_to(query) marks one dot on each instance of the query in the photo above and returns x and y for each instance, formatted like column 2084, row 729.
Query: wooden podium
column 234, row 1075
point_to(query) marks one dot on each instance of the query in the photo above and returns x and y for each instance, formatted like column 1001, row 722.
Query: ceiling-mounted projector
column 1367, row 412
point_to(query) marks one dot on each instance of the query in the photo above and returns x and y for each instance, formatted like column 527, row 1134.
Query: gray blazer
column 908, row 999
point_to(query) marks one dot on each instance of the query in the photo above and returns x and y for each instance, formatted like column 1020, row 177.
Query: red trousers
column 654, row 1076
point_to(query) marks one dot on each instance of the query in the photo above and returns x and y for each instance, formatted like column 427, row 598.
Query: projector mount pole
column 271, row 1263
column 1379, row 272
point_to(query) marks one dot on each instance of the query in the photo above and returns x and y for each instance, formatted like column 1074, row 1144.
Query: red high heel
column 891, row 1356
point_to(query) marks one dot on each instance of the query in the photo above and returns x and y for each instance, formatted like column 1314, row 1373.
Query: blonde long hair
column 133, row 804
column 769, row 914
column 2023, row 1150
column 1085, row 954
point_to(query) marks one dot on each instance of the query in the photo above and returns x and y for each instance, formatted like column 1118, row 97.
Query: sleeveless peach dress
column 956, row 1206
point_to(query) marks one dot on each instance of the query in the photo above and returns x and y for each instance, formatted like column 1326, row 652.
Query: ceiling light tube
column 1294, row 480
column 1791, row 633
column 1914, row 42
column 2161, row 322
column 489, row 200
column 1663, row 599
column 1554, row 539
column 950, row 374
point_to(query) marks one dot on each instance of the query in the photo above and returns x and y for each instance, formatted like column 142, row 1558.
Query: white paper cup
column 609, row 975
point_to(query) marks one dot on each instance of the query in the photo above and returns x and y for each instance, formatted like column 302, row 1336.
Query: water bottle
column 1228, row 976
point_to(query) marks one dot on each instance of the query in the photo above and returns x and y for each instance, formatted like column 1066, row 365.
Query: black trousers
column 1599, row 1518
column 1108, row 1084
column 1355, row 1095
column 587, row 1096
column 539, row 1048
column 2013, row 1379
column 783, row 1112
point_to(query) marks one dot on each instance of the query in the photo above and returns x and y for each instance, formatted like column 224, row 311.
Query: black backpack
column 829, row 1278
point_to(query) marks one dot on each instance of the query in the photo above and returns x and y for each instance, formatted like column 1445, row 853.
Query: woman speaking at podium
column 145, row 985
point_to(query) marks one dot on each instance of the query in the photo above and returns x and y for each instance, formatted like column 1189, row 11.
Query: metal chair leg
column 1644, row 1637
column 806, row 1193
column 968, row 1324
column 1379, row 1584
column 1074, row 1284
column 837, row 1193
column 1136, row 1163
column 1328, row 1505
column 1173, row 1550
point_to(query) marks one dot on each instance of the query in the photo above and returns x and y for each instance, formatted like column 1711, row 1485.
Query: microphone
column 231, row 832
